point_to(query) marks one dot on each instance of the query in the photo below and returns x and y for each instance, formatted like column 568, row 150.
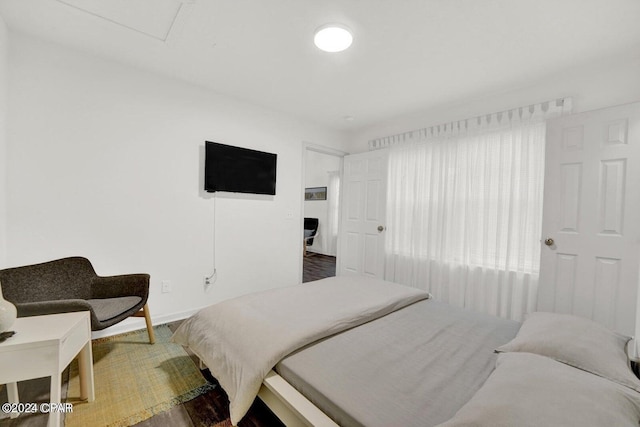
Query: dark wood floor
column 318, row 266
column 209, row 409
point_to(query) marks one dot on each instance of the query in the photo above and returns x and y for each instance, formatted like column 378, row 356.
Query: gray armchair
column 71, row 284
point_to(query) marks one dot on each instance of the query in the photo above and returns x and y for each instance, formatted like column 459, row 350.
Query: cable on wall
column 210, row 280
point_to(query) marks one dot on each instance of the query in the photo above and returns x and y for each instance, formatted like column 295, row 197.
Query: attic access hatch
column 154, row 18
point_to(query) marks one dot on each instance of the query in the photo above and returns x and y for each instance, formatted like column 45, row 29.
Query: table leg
column 85, row 368
column 54, row 416
column 12, row 393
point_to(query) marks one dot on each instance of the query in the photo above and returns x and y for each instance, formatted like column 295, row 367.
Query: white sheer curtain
column 333, row 212
column 464, row 216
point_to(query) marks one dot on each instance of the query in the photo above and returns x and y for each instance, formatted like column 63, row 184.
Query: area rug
column 134, row 380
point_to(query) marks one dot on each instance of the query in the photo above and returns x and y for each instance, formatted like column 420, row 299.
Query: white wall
column 607, row 82
column 317, row 168
column 105, row 161
column 4, row 47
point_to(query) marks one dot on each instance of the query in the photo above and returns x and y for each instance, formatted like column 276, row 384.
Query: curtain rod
column 546, row 110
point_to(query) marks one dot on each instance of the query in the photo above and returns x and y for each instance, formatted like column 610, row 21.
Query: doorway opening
column 321, row 211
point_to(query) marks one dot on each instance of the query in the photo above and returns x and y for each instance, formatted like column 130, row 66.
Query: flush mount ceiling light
column 333, row 38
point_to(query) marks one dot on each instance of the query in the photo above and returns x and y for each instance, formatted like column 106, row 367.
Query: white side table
column 43, row 346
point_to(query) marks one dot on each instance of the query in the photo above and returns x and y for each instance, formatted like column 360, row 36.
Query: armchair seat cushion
column 108, row 308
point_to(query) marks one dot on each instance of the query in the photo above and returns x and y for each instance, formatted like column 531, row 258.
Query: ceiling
column 407, row 55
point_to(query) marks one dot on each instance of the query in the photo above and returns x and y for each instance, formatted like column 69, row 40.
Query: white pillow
column 527, row 390
column 578, row 342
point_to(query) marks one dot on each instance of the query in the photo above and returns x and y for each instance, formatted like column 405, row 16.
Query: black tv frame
column 235, row 169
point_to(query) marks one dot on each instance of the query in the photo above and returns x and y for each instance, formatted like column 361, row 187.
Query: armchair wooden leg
column 144, row 311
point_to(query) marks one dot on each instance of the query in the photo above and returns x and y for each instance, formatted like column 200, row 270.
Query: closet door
column 591, row 227
column 362, row 225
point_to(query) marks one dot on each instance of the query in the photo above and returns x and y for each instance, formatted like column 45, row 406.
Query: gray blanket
column 414, row 367
column 242, row 339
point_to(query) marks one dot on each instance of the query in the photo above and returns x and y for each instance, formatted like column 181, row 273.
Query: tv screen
column 238, row 170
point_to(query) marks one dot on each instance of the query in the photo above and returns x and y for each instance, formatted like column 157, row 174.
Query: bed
column 355, row 351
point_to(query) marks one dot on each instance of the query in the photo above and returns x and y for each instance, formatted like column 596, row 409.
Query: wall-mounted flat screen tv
column 239, row 170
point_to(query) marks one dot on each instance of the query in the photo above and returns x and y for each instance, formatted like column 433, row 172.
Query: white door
column 361, row 240
column 592, row 216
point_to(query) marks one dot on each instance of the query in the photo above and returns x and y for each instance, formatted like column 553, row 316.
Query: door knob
column 549, row 242
column 380, row 229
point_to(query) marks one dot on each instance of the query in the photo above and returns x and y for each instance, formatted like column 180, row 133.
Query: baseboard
column 134, row 324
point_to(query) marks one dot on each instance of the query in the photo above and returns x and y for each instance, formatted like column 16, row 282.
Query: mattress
column 414, row 367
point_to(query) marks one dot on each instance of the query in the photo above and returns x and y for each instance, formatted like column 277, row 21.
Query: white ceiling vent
column 154, row 18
